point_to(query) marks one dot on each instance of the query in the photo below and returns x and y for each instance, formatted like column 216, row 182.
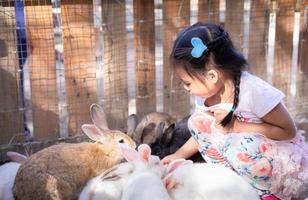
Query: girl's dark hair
column 221, row 53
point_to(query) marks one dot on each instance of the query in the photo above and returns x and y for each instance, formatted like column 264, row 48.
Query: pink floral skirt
column 272, row 167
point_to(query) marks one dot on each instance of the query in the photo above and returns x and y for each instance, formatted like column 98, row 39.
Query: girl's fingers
column 166, row 160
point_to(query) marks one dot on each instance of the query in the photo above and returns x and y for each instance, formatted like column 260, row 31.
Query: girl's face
column 207, row 87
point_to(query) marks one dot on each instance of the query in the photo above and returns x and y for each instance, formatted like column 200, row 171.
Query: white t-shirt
column 256, row 98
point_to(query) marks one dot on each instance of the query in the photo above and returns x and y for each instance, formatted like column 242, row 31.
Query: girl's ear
column 212, row 75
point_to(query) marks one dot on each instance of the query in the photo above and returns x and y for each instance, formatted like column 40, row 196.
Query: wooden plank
column 98, row 34
column 246, row 27
column 11, row 117
column 257, row 38
column 144, row 38
column 302, row 78
column 300, row 101
column 176, row 16
column 208, row 11
column 234, row 22
column 41, row 60
column 60, row 69
column 271, row 34
column 303, row 46
column 283, row 45
column 159, row 55
column 294, row 72
column 80, row 63
column 115, row 63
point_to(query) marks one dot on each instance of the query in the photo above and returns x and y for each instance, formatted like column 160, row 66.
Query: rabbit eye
column 121, row 141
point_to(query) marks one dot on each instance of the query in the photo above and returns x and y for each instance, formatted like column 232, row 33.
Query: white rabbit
column 109, row 185
column 143, row 185
column 8, row 173
column 146, row 182
column 206, row 181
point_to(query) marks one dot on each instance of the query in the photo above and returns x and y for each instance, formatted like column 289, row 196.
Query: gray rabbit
column 164, row 135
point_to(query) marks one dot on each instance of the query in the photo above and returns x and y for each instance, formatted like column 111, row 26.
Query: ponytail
column 228, row 118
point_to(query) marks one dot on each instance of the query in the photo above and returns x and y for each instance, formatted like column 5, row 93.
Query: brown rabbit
column 61, row 171
column 146, row 131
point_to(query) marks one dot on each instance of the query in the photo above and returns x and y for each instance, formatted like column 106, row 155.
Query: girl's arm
column 277, row 125
column 186, row 151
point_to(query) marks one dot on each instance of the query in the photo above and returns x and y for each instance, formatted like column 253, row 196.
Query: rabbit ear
column 148, row 134
column 144, row 152
column 28, row 150
column 160, row 129
column 170, row 182
column 176, row 164
column 98, row 117
column 16, row 157
column 167, row 134
column 142, row 129
column 94, row 133
column 108, row 174
column 129, row 153
column 132, row 122
column 117, row 172
column 149, row 128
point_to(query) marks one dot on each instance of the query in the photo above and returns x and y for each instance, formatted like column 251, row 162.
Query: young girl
column 240, row 120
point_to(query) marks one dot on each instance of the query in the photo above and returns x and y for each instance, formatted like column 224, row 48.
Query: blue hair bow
column 199, row 47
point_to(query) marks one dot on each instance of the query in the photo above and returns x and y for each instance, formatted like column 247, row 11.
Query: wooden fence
column 59, row 57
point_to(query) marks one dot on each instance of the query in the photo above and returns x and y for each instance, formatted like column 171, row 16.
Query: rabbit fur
column 109, row 185
column 163, row 134
column 146, row 133
column 204, row 181
column 146, row 182
column 61, row 171
column 179, row 134
column 144, row 185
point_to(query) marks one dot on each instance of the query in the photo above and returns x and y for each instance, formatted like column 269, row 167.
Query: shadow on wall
column 12, row 119
column 3, row 48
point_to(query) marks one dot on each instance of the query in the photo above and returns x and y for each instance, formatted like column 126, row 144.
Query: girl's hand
column 168, row 159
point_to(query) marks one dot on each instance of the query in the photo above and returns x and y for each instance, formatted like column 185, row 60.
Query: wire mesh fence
column 59, row 57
